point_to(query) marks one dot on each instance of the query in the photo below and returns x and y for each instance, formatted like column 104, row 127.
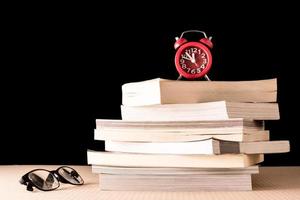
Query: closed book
column 225, row 126
column 218, row 110
column 163, row 91
column 208, row 147
column 171, row 131
column 98, row 169
column 161, row 160
column 179, row 137
column 226, row 182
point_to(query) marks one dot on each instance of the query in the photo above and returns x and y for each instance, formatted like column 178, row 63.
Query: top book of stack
column 163, row 91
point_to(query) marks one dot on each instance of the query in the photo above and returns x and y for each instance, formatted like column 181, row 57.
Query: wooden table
column 271, row 183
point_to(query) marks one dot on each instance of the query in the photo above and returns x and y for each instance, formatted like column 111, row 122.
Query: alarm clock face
column 193, row 60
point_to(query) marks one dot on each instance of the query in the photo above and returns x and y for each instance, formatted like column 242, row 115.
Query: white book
column 234, row 129
column 99, row 169
column 208, row 147
column 218, row 110
column 163, row 91
column 196, row 183
column 167, row 160
column 178, row 137
column 225, row 126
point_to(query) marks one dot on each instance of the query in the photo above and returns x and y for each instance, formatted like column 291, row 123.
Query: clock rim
column 177, row 58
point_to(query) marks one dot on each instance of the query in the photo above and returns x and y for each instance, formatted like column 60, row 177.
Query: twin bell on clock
column 193, row 59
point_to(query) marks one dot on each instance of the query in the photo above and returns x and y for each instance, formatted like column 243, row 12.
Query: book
column 236, row 182
column 163, row 91
column 176, row 137
column 226, row 126
column 266, row 147
column 208, row 147
column 163, row 160
column 172, row 171
column 218, row 110
column 171, row 131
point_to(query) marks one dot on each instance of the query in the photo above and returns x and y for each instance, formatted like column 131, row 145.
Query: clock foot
column 206, row 77
column 179, row 77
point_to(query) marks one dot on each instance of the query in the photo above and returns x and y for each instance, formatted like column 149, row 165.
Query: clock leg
column 206, row 77
column 179, row 77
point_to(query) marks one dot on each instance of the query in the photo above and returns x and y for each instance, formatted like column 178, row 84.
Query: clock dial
column 193, row 60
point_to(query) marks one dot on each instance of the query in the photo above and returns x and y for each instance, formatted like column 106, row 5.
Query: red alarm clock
column 193, row 59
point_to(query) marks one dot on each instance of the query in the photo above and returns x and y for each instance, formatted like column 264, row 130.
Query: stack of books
column 187, row 136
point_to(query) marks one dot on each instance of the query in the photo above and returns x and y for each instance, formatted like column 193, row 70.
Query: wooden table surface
column 271, row 183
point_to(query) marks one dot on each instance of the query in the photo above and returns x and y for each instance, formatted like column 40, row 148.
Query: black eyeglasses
column 46, row 180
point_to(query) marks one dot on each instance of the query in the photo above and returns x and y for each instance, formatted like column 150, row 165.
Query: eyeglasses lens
column 43, row 180
column 70, row 175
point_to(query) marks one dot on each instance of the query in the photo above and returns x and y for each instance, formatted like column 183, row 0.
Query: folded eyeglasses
column 46, row 180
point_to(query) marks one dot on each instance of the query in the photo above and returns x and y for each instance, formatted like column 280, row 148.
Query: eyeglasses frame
column 26, row 181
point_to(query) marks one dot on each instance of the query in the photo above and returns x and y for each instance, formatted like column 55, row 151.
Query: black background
column 66, row 66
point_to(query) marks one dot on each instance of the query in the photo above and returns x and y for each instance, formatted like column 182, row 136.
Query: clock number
column 190, row 58
column 191, row 50
column 183, row 56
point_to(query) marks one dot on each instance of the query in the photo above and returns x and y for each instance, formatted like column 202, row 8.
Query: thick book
column 171, row 131
column 98, row 169
column 232, row 182
column 226, row 126
column 208, row 147
column 165, row 160
column 218, row 110
column 179, row 137
column 163, row 91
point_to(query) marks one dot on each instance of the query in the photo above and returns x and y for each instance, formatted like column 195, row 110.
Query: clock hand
column 193, row 58
column 188, row 55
